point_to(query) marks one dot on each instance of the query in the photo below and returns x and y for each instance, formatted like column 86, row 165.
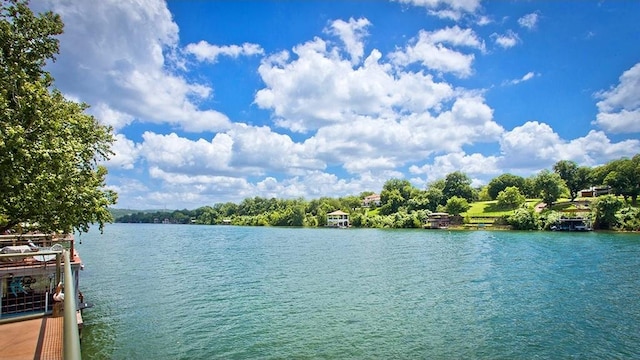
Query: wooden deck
column 39, row 338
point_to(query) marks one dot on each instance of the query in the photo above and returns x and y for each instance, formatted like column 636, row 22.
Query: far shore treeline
column 533, row 203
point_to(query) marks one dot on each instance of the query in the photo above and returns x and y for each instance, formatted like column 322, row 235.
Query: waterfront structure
column 338, row 219
column 36, row 321
column 595, row 191
column 437, row 220
column 573, row 224
column 373, row 199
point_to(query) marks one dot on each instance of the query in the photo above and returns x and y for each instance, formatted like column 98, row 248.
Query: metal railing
column 71, row 335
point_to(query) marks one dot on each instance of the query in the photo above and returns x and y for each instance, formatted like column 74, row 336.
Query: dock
column 39, row 338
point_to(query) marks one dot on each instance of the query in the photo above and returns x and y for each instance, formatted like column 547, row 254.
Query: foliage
column 524, row 219
column 628, row 218
column 457, row 205
column 623, row 176
column 498, row 184
column 575, row 178
column 395, row 194
column 510, row 198
column 49, row 148
column 550, row 218
column 605, row 208
column 550, row 186
column 458, row 184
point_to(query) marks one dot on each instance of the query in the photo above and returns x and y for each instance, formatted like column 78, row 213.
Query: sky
column 217, row 101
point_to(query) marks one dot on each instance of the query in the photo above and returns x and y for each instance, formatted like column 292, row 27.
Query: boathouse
column 338, row 219
column 437, row 220
column 573, row 224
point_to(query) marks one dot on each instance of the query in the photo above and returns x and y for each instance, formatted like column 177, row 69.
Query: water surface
column 205, row 292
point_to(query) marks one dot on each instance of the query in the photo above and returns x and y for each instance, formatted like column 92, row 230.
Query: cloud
column 125, row 153
column 529, row 21
column 535, row 145
column 429, row 49
column 131, row 78
column 319, row 88
column 526, row 77
column 204, row 51
column 619, row 107
column 351, row 33
column 508, row 40
column 473, row 164
column 446, row 9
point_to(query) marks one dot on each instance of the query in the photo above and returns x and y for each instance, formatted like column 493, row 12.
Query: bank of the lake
column 202, row 292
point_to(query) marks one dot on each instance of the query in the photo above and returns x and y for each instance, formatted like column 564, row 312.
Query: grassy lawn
column 490, row 209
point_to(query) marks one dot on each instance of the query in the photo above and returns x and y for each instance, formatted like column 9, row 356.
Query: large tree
column 395, row 194
column 623, row 176
column 498, row 184
column 458, row 184
column 576, row 178
column 49, row 147
column 550, row 186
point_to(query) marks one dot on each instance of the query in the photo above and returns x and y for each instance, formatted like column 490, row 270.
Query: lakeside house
column 595, row 191
column 437, row 220
column 373, row 199
column 338, row 219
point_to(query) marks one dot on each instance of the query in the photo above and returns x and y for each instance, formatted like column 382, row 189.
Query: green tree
column 623, row 176
column 49, row 148
column 497, row 184
column 524, row 219
column 605, row 208
column 456, row 205
column 510, row 198
column 435, row 195
column 458, row 184
column 575, row 178
column 395, row 194
column 550, row 186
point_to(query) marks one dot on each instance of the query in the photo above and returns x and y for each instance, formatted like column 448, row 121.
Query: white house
column 373, row 199
column 338, row 219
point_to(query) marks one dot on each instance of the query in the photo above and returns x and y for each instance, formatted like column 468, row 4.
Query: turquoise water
column 206, row 292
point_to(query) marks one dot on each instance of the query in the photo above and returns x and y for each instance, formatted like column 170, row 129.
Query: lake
column 207, row 292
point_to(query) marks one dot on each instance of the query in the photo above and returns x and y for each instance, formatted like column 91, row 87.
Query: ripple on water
column 187, row 292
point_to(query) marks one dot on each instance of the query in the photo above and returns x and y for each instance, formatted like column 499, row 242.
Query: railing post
column 71, row 341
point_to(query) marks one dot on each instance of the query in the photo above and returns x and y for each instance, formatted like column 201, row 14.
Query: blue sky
column 215, row 101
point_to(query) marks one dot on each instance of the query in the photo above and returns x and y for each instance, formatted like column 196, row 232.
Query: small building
column 595, row 191
column 437, row 220
column 338, row 219
column 373, row 199
column 573, row 224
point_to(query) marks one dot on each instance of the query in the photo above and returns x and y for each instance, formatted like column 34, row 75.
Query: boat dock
column 34, row 324
column 39, row 338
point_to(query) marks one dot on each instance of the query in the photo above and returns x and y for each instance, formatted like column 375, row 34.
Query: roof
column 338, row 212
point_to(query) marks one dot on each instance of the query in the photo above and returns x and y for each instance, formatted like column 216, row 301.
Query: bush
column 628, row 219
column 524, row 219
column 510, row 198
column 606, row 208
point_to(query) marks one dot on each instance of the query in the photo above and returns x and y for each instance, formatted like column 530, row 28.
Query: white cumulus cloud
column 204, row 51
column 619, row 107
column 529, row 21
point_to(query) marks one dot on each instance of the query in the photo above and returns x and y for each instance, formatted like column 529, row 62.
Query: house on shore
column 371, row 200
column 437, row 220
column 595, row 191
column 338, row 219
